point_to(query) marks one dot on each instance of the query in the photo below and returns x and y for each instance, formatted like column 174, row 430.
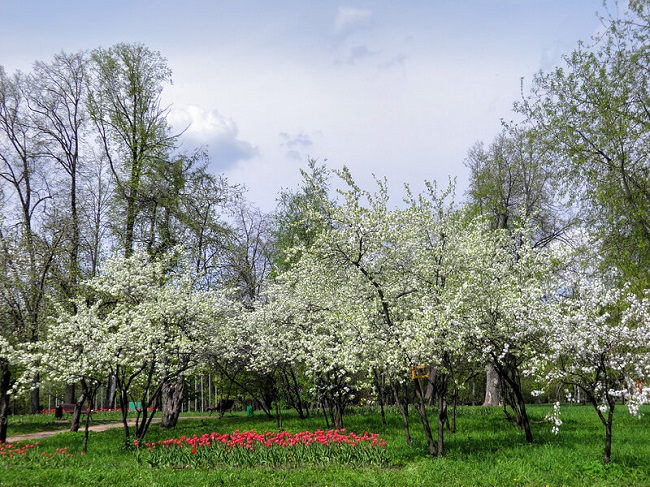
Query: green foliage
column 592, row 114
column 301, row 215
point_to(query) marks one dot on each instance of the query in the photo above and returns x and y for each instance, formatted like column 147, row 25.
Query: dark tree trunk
column 513, row 395
column 422, row 411
column 124, row 408
column 442, row 412
column 607, row 422
column 454, row 404
column 380, row 395
column 111, row 392
column 70, row 393
column 76, row 415
column 92, row 394
column 35, row 395
column 172, row 399
column 5, row 384
column 403, row 408
column 607, row 455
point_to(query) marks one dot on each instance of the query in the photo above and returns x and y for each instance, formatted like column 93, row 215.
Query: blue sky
column 396, row 89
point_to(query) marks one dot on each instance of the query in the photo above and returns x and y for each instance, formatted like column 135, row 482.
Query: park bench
column 222, row 406
column 68, row 408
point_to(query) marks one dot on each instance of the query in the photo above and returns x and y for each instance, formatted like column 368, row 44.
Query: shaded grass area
column 487, row 450
column 34, row 423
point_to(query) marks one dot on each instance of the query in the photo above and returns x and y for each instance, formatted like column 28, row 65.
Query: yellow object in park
column 419, row 372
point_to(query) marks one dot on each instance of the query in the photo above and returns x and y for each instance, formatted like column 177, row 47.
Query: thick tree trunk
column 111, row 392
column 492, row 396
column 5, row 384
column 337, row 417
column 70, row 393
column 172, row 398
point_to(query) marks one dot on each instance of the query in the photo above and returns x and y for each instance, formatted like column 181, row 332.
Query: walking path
column 97, row 427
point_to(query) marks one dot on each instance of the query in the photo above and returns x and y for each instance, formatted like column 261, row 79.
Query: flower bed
column 244, row 449
column 30, row 453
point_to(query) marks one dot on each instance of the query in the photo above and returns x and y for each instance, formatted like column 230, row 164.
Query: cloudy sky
column 399, row 89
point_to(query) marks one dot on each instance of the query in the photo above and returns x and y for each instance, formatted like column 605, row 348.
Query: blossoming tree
column 148, row 324
column 601, row 345
column 501, row 305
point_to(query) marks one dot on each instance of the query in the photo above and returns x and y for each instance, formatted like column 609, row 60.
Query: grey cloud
column 296, row 145
column 219, row 134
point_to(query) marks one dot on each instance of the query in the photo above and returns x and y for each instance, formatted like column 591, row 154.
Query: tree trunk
column 35, row 395
column 70, row 393
column 403, row 409
column 5, row 384
column 607, row 422
column 172, row 399
column 608, row 440
column 515, row 398
column 422, row 411
column 124, row 408
column 492, row 396
column 380, row 395
column 111, row 391
column 76, row 416
column 442, row 412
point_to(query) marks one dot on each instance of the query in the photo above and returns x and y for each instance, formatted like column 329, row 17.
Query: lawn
column 486, row 451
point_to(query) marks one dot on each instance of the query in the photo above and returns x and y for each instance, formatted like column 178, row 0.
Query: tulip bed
column 248, row 449
column 31, row 454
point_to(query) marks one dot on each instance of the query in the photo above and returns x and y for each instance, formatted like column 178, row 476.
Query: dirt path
column 97, row 427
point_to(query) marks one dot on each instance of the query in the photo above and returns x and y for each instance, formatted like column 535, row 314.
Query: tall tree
column 294, row 223
column 27, row 244
column 514, row 179
column 593, row 114
column 57, row 102
column 125, row 105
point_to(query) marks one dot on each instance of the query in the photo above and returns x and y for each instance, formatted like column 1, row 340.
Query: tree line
column 126, row 263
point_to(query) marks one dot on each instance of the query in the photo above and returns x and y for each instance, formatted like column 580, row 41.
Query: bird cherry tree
column 601, row 344
column 146, row 324
column 501, row 305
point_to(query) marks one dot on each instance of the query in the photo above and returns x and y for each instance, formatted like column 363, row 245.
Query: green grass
column 486, row 451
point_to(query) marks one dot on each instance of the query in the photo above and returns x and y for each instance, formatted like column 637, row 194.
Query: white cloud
column 215, row 131
column 348, row 17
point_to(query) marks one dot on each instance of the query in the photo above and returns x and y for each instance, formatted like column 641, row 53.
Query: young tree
column 501, row 302
column 601, row 345
column 293, row 224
